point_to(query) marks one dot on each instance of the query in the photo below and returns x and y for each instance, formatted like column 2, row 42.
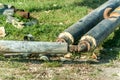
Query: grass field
column 54, row 16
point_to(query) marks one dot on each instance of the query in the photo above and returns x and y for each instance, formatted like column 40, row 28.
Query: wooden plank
column 32, row 47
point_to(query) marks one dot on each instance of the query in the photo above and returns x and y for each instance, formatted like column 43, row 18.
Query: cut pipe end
column 60, row 40
column 107, row 12
column 73, row 48
column 65, row 37
column 83, row 46
column 23, row 14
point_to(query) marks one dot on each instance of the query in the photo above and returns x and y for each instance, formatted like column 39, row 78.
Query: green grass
column 53, row 16
column 52, row 64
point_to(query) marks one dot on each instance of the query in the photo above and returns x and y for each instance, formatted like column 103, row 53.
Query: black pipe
column 74, row 32
column 97, row 34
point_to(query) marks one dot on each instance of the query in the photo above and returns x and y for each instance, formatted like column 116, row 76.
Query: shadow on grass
column 36, row 9
column 37, row 61
column 90, row 3
column 111, row 49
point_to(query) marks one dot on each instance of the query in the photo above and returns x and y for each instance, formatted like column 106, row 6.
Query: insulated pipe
column 74, row 32
column 33, row 47
column 97, row 34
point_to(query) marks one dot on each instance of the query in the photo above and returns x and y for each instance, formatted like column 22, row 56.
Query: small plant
column 115, row 74
column 52, row 64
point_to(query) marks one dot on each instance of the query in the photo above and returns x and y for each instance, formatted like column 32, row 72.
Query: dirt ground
column 70, row 70
column 83, row 71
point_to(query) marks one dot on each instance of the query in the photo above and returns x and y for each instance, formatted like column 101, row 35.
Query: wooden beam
column 33, row 47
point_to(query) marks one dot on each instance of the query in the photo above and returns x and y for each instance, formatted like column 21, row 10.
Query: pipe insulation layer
column 33, row 47
column 74, row 32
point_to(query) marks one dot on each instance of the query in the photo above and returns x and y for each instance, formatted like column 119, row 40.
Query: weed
column 52, row 64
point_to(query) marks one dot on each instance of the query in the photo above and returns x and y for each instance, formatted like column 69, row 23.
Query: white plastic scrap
column 17, row 24
column 2, row 32
column 1, row 6
column 8, row 12
column 10, row 19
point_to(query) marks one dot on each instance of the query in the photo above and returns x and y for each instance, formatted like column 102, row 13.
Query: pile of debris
column 12, row 16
